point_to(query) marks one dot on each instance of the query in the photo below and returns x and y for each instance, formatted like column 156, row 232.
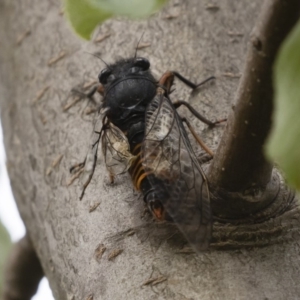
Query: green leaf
column 5, row 245
column 131, row 8
column 85, row 15
column 284, row 142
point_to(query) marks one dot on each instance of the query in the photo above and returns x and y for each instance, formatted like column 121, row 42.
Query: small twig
column 49, row 171
column 40, row 94
column 231, row 75
column 94, row 207
column 213, row 7
column 114, row 253
column 186, row 250
column 89, row 84
column 155, row 280
column 172, row 16
column 54, row 163
column 57, row 160
column 57, row 58
column 102, row 37
column 130, row 233
column 74, row 177
column 159, row 280
column 90, row 110
column 99, row 252
column 235, row 34
column 72, row 103
column 42, row 117
column 142, row 46
column 22, row 36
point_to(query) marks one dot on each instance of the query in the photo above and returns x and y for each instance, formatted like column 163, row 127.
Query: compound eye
column 142, row 62
column 104, row 75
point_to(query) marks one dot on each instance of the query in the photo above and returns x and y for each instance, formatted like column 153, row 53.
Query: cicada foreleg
column 167, row 80
column 90, row 96
column 89, row 164
column 96, row 88
column 191, row 84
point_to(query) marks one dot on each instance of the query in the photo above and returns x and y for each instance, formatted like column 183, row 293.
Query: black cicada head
column 125, row 68
column 128, row 87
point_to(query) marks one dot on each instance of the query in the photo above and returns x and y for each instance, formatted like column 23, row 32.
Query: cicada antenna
column 107, row 65
column 137, row 46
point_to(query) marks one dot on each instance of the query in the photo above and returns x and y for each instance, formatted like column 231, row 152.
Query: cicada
column 141, row 132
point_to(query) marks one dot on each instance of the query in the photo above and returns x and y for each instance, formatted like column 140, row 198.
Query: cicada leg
column 178, row 103
column 197, row 138
column 89, row 164
column 191, row 84
column 90, row 96
column 167, row 80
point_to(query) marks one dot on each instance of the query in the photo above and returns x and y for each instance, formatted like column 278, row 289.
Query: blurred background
column 10, row 218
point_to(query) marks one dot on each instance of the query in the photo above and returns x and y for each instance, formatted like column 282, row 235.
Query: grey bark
column 199, row 41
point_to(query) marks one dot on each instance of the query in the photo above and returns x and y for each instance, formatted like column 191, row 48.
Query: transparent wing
column 169, row 157
column 116, row 150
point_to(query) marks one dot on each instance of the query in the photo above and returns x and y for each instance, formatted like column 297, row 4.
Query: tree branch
column 239, row 165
